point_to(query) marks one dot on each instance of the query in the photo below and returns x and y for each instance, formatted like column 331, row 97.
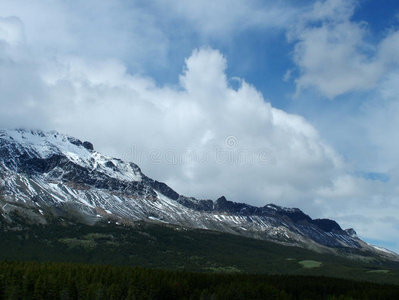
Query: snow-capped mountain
column 51, row 174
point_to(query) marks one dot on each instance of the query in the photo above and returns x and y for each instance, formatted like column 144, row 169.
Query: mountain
column 48, row 174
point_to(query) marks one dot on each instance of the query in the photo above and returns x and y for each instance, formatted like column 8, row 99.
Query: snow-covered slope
column 29, row 145
column 48, row 173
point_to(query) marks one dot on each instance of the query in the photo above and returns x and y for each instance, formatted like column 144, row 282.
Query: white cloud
column 11, row 31
column 20, row 86
column 388, row 49
column 223, row 18
column 91, row 29
column 139, row 34
column 205, row 75
column 369, row 206
column 332, row 52
column 101, row 101
column 379, row 120
column 197, row 117
column 332, row 10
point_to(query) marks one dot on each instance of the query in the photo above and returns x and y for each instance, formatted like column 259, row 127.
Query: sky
column 288, row 102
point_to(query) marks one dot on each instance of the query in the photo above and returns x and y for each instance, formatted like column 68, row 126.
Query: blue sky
column 307, row 89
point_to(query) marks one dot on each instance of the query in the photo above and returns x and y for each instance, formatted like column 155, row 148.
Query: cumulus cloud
column 332, row 53
column 242, row 146
column 274, row 156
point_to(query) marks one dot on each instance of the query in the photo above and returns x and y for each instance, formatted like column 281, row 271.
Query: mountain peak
column 36, row 151
column 88, row 145
column 221, row 200
column 351, row 232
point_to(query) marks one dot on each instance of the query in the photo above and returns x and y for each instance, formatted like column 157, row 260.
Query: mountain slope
column 173, row 247
column 51, row 174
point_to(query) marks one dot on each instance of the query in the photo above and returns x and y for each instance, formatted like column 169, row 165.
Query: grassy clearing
column 379, row 271
column 309, row 264
column 226, row 269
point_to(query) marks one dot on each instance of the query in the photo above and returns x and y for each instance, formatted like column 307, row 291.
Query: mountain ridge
column 52, row 173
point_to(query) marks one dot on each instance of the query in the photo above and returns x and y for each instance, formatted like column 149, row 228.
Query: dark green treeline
column 31, row 280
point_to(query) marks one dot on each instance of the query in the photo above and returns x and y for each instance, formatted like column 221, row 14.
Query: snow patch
column 383, row 249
